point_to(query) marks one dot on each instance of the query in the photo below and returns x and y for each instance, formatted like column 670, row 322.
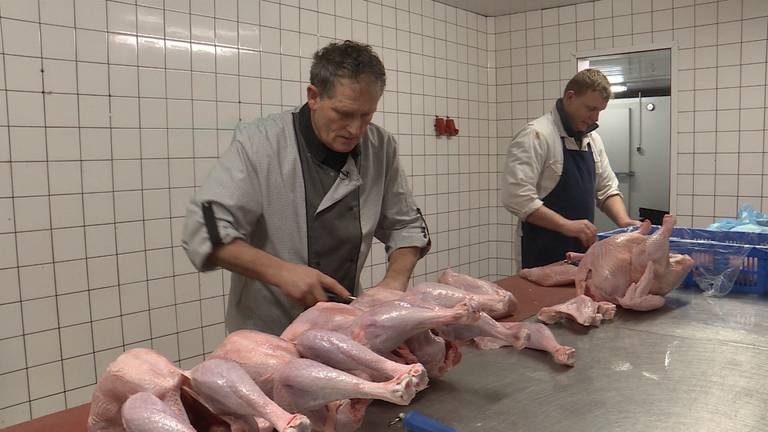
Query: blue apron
column 573, row 198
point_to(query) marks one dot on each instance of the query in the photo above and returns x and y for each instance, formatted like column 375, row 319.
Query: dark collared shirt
column 334, row 235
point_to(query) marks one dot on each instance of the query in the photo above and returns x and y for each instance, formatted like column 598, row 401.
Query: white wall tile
column 25, row 109
column 71, row 276
column 42, row 347
column 6, row 215
column 754, row 29
column 21, row 37
column 79, row 371
column 754, row 9
column 34, row 247
column 753, row 74
column 14, row 358
column 128, row 206
column 32, row 213
column 27, row 143
column 39, row 314
column 107, row 333
column 36, row 281
column 23, row 73
column 136, row 327
column 8, row 256
column 18, row 392
column 29, row 178
column 74, row 309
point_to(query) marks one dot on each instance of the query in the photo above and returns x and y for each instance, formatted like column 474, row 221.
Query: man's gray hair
column 350, row 60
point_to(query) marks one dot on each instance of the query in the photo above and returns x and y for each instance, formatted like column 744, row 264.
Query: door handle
column 625, row 174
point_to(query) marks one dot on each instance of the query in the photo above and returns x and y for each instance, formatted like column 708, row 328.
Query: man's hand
column 306, row 285
column 581, row 229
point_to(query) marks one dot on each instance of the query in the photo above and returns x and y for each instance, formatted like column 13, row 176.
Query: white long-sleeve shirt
column 534, row 165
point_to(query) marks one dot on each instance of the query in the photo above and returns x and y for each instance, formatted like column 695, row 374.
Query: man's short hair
column 589, row 80
column 348, row 59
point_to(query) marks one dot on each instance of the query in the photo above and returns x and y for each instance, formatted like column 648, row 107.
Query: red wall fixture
column 440, row 126
column 450, row 127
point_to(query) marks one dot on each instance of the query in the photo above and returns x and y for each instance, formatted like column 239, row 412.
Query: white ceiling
column 507, row 7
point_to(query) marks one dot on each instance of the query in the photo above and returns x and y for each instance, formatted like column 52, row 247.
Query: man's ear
column 313, row 96
column 569, row 95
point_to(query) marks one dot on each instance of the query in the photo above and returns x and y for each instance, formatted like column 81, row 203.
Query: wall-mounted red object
column 440, row 126
column 450, row 127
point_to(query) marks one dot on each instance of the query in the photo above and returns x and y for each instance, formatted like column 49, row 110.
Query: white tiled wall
column 111, row 112
column 721, row 159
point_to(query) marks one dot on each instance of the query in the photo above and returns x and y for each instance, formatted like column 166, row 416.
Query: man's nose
column 355, row 127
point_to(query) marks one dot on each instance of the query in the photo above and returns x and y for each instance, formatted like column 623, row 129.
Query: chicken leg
column 228, row 389
column 341, row 352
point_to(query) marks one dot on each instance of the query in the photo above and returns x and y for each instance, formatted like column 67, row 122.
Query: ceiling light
column 618, row 88
column 615, row 79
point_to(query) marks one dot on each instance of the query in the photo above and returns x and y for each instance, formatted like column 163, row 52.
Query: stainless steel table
column 698, row 364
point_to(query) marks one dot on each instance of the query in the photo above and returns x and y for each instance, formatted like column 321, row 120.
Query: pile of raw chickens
column 326, row 367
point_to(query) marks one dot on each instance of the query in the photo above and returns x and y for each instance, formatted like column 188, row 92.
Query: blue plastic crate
column 719, row 250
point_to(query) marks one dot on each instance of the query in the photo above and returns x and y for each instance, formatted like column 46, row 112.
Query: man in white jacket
column 293, row 205
column 556, row 171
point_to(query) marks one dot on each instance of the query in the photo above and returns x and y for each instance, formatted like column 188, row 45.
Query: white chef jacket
column 534, row 164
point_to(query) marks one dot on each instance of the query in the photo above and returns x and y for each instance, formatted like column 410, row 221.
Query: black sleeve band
column 210, row 225
column 425, row 230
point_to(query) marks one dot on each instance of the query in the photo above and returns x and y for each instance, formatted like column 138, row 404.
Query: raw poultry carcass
column 135, row 371
column 437, row 296
column 145, row 412
column 438, row 349
column 436, row 354
column 517, row 335
column 489, row 297
column 634, row 270
column 429, row 294
column 229, row 391
column 307, row 386
column 341, row 352
column 149, row 379
column 259, row 354
column 324, row 315
column 376, row 296
column 506, row 303
column 581, row 309
column 384, row 327
column 444, row 295
column 541, row 339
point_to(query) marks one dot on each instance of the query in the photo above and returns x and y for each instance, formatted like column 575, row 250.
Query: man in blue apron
column 557, row 170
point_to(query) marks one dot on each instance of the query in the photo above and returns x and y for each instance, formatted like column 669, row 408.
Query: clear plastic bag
column 718, row 266
column 750, row 220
